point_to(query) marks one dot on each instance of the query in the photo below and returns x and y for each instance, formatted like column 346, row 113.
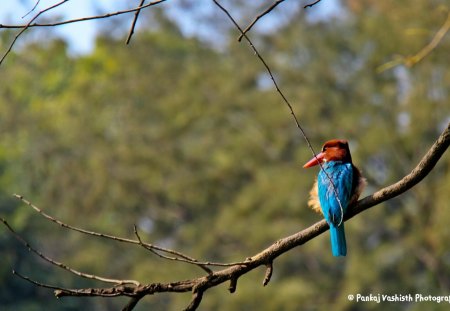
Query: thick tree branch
column 417, row 174
column 266, row 257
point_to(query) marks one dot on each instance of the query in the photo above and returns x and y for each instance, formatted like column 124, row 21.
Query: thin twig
column 133, row 24
column 265, row 12
column 286, row 101
column 181, row 257
column 83, row 19
column 63, row 266
column 410, row 61
column 311, row 4
column 39, row 283
column 269, row 71
column 27, row 26
column 32, row 9
column 125, row 240
column 61, row 291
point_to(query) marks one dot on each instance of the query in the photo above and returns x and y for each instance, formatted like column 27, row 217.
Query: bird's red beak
column 315, row 161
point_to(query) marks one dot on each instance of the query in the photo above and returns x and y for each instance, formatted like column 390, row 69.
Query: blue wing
column 342, row 176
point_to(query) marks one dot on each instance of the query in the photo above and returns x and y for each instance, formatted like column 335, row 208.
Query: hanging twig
column 286, row 101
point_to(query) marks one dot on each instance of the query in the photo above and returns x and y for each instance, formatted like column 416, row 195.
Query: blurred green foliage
column 193, row 145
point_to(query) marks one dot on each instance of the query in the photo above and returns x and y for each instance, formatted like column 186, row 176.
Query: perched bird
column 338, row 184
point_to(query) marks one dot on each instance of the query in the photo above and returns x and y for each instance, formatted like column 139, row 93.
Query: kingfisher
column 338, row 185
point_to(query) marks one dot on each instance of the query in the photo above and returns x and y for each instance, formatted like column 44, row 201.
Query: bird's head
column 332, row 150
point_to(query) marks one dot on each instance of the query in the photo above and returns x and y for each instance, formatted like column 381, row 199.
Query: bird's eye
column 342, row 145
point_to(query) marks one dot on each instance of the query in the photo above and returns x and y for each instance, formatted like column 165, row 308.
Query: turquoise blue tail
column 338, row 244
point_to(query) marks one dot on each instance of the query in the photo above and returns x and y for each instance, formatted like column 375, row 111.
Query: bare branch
column 196, row 299
column 23, row 277
column 199, row 285
column 181, row 257
column 132, row 303
column 269, row 71
column 311, row 4
column 83, row 19
column 410, row 61
column 32, row 9
column 27, row 26
column 133, row 24
column 31, row 24
column 268, row 275
column 60, row 291
column 417, row 174
column 130, row 291
column 265, row 12
column 154, row 248
column 285, row 100
column 63, row 266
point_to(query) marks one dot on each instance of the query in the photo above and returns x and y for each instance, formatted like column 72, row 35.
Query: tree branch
column 32, row 9
column 265, row 258
column 411, row 60
column 417, row 174
column 283, row 97
column 265, row 12
column 30, row 24
column 24, row 28
column 311, row 4
column 133, row 24
column 82, row 19
column 178, row 256
column 63, row 266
